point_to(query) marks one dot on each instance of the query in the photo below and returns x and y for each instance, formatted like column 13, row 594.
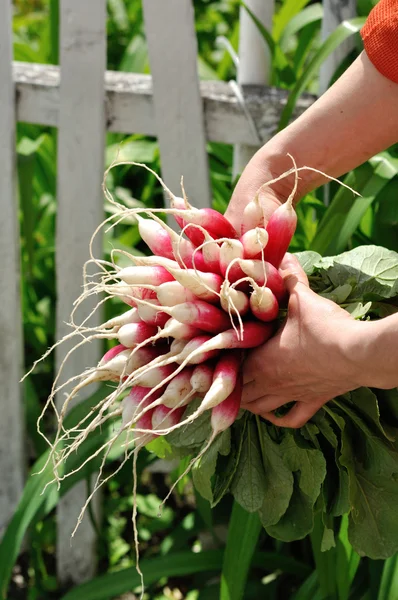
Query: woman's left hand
column 311, row 359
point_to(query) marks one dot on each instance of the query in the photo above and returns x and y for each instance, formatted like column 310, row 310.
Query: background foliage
column 191, row 551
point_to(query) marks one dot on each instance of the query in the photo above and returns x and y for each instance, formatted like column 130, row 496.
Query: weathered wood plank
column 172, row 46
column 11, row 421
column 254, row 63
column 129, row 104
column 334, row 13
column 81, row 123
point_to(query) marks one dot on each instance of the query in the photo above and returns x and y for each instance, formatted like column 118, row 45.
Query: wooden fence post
column 170, row 31
column 254, row 62
column 11, row 420
column 334, row 13
column 80, row 209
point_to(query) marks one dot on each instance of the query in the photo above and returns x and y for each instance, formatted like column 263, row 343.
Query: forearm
column 354, row 120
column 376, row 352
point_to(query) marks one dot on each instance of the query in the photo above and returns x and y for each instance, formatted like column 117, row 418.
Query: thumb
column 293, row 273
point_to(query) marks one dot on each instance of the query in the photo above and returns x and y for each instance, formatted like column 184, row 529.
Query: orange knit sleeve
column 380, row 38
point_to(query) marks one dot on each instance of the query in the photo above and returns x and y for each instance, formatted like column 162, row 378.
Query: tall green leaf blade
column 33, row 498
column 347, row 562
column 343, row 31
column 288, row 10
column 244, row 529
column 172, row 565
column 389, row 579
column 336, row 213
column 310, row 14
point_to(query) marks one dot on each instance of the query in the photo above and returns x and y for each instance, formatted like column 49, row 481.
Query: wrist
column 374, row 355
column 273, row 160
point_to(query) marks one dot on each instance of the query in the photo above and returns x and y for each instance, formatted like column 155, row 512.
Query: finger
column 264, row 405
column 295, row 418
column 293, row 274
column 251, row 391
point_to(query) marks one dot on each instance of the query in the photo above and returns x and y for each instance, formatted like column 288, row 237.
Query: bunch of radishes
column 197, row 303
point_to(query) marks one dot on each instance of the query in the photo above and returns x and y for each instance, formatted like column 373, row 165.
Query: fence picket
column 11, row 421
column 172, row 47
column 80, row 209
column 254, row 62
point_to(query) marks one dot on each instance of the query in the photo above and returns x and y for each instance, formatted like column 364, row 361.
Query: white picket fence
column 173, row 105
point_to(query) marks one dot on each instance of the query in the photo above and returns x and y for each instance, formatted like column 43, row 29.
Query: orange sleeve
column 380, row 38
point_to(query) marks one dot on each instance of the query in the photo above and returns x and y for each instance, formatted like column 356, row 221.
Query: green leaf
column 310, row 14
column 286, row 14
column 341, row 33
column 347, row 562
column 373, row 524
column 248, row 485
column 366, row 403
column 134, row 150
column 119, row 14
column 389, row 580
column 309, row 260
column 309, row 590
column 243, row 532
column 278, row 480
column 205, row 467
column 371, row 270
column 309, row 468
column 154, row 569
column 298, row 520
column 336, row 213
column 226, row 472
column 310, row 462
column 358, row 310
column 194, row 434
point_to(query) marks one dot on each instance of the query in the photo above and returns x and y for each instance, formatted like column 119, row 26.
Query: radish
column 263, row 303
column 208, row 218
column 151, row 315
column 183, row 250
column 155, row 376
column 111, row 354
column 128, row 293
column 233, row 300
column 264, row 273
column 132, row 334
column 253, row 216
column 225, row 378
column 255, row 334
column 205, row 316
column 179, row 391
column 130, row 316
column 156, row 237
column 166, row 417
column 202, row 378
column 230, row 252
column 280, row 229
column 254, row 241
column 141, row 275
column 136, row 399
column 223, row 415
column 172, row 293
column 205, row 286
column 211, row 254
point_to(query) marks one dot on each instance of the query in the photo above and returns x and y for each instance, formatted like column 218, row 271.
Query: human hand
column 263, row 167
column 310, row 360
